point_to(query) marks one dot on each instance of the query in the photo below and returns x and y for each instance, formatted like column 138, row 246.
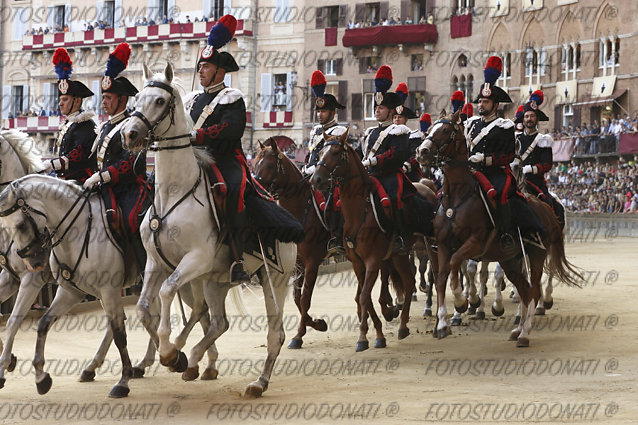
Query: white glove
column 309, row 170
column 47, row 166
column 103, row 177
column 477, row 157
column 370, row 162
column 407, row 167
column 528, row 169
column 515, row 163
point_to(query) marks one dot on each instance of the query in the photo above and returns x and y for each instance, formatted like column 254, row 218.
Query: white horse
column 181, row 229
column 42, row 212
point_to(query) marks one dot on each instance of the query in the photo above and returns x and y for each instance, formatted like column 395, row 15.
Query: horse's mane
column 24, row 147
column 69, row 185
column 367, row 180
column 202, row 156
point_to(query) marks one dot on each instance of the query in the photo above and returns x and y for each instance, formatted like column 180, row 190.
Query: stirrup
column 334, row 247
column 398, row 245
column 238, row 274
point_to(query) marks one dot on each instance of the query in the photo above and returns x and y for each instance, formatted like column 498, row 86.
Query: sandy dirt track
column 582, row 366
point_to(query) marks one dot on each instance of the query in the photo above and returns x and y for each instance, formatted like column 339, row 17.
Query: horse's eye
column 160, row 101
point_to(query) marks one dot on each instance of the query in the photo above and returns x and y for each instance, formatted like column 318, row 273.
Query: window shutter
column 356, row 107
column 288, row 91
column 384, row 6
column 26, row 105
column 321, row 65
column 117, row 14
column 343, row 15
column 558, row 116
column 342, row 97
column 339, row 66
column 265, row 95
column 362, row 65
column 359, row 12
column 6, row 101
column 576, row 117
column 67, row 16
column 319, row 17
column 368, row 85
column 543, row 59
column 405, row 10
column 95, row 88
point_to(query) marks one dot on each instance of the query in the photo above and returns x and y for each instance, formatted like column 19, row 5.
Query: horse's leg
column 112, row 304
column 441, row 328
column 388, row 309
column 423, row 267
column 532, row 295
column 499, row 285
column 88, row 374
column 153, row 278
column 188, row 269
column 215, row 297
column 432, row 256
column 149, row 357
column 514, row 273
column 470, row 293
column 27, row 288
column 402, row 266
column 60, row 305
column 298, row 285
column 276, row 336
column 483, row 276
column 546, row 301
column 309, row 278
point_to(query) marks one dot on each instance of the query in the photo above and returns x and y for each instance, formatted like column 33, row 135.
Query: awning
column 283, row 142
column 593, row 101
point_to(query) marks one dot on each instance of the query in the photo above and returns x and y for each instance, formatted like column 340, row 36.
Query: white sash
column 208, row 109
column 484, row 132
column 376, row 145
column 530, row 148
column 105, row 144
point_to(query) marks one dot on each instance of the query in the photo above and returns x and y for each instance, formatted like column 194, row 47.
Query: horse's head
column 26, row 225
column 269, row 165
column 156, row 107
column 333, row 161
column 445, row 139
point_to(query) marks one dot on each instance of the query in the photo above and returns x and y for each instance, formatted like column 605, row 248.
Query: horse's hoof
column 253, row 390
column 295, row 344
column 138, row 372
column 119, row 391
column 322, row 326
column 427, row 312
column 87, row 376
column 12, row 363
column 423, row 287
column 471, row 311
column 461, row 309
column 476, row 304
column 442, row 333
column 404, row 332
column 522, row 342
column 517, row 320
column 480, row 315
column 179, row 363
column 45, row 385
column 496, row 312
column 209, row 374
column 361, row 346
column 514, row 335
column 548, row 304
column 456, row 321
column 379, row 343
column 2, row 381
column 191, row 373
column 540, row 311
column 414, row 297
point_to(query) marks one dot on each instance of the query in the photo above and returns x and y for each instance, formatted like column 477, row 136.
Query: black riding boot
column 401, row 232
column 335, row 244
column 236, row 237
column 504, row 224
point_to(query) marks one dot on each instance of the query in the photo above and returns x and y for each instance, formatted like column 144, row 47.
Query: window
column 369, row 106
column 109, row 13
column 609, row 50
column 276, row 92
column 416, row 94
column 506, row 73
column 331, row 68
column 331, row 16
column 279, row 91
column 282, row 11
column 463, row 7
column 18, row 106
column 534, row 60
column 568, row 115
column 368, row 64
column 372, row 12
column 570, row 60
column 59, row 17
column 217, row 9
column 416, row 62
column 20, row 23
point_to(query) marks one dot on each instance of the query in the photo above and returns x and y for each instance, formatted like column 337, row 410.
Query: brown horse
column 279, row 175
column 463, row 230
column 367, row 246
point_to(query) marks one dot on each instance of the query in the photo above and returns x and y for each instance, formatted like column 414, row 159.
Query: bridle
column 442, row 158
column 44, row 240
column 342, row 159
column 169, row 111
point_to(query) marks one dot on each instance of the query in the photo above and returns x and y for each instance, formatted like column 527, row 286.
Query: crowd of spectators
column 373, row 22
column 47, row 30
column 596, row 138
column 596, row 188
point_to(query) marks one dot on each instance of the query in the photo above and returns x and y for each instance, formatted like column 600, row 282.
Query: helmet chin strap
column 213, row 77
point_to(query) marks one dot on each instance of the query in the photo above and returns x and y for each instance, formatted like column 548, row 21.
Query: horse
column 181, row 234
column 463, row 230
column 281, row 177
column 43, row 212
column 367, row 246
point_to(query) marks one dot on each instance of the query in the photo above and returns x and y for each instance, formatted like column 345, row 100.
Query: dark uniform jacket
column 536, row 150
column 390, row 156
column 316, row 140
column 127, row 170
column 498, row 148
column 411, row 166
column 75, row 139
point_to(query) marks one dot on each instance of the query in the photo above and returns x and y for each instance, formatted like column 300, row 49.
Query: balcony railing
column 390, row 34
column 139, row 34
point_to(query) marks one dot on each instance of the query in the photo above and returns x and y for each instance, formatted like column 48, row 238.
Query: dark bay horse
column 281, row 177
column 463, row 230
column 367, row 246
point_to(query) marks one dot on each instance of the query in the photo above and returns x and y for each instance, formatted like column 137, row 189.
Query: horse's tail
column 558, row 265
column 238, row 300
